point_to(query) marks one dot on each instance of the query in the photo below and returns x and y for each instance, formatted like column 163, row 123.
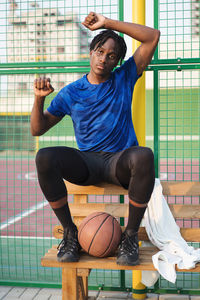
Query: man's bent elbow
column 157, row 35
column 35, row 132
column 155, row 39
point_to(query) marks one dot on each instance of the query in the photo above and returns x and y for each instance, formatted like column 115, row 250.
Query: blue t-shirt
column 101, row 113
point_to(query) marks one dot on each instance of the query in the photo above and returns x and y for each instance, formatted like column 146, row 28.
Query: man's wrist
column 107, row 23
column 110, row 24
column 39, row 98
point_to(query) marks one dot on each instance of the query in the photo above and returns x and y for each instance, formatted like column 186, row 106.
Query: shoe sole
column 67, row 259
column 126, row 263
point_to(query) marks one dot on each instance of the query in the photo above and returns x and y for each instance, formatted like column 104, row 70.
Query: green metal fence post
column 156, row 122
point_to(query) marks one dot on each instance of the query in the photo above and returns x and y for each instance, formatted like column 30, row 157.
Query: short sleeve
column 60, row 105
column 129, row 71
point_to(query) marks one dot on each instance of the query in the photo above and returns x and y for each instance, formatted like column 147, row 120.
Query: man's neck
column 94, row 79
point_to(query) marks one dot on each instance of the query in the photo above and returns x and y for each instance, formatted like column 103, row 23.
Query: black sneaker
column 128, row 251
column 69, row 247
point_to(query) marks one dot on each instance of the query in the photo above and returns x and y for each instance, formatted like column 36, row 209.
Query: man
column 100, row 107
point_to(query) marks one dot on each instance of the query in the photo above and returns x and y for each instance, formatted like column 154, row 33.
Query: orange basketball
column 99, row 234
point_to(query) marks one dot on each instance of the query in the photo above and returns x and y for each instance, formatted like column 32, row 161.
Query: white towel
column 164, row 233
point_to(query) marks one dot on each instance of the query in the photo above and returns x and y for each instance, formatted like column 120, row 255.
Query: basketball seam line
column 88, row 222
column 111, row 237
column 96, row 233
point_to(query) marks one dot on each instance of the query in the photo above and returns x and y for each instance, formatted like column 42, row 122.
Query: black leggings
column 132, row 168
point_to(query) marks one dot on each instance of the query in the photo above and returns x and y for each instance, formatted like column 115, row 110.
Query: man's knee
column 135, row 161
column 140, row 158
column 145, row 156
column 44, row 159
column 142, row 175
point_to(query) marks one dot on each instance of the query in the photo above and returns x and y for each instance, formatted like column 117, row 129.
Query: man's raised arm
column 41, row 120
column 148, row 36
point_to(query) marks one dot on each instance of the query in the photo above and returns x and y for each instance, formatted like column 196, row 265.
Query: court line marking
column 174, row 138
column 28, row 237
column 148, row 138
column 24, row 214
column 58, row 138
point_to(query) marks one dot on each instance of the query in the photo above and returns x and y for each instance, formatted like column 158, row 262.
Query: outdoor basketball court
column 32, row 45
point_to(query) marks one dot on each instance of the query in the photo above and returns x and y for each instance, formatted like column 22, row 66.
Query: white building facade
column 40, row 35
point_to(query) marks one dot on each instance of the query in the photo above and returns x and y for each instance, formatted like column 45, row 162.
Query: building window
column 62, row 22
column 22, row 86
column 61, row 49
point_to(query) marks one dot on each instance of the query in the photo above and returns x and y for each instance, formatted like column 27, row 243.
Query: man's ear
column 116, row 63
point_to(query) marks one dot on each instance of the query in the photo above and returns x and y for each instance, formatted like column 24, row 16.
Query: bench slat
column 189, row 234
column 185, row 211
column 101, row 189
column 182, row 188
column 90, row 262
column 173, row 188
column 188, row 211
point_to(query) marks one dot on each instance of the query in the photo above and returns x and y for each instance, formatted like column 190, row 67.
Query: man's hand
column 42, row 87
column 94, row 21
column 41, row 120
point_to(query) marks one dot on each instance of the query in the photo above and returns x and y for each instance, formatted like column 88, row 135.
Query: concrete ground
column 24, row 293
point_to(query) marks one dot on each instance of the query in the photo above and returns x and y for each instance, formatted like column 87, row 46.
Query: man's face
column 104, row 59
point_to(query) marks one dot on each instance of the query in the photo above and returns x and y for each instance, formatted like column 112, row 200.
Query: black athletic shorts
column 101, row 166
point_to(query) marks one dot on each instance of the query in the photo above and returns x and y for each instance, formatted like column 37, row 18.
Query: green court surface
column 179, row 124
column 22, row 261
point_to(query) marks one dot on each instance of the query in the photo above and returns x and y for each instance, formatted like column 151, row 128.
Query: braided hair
column 103, row 36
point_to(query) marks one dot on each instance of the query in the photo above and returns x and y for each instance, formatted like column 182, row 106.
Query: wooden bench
column 75, row 275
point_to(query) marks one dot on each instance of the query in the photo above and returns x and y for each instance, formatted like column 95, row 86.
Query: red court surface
column 25, row 212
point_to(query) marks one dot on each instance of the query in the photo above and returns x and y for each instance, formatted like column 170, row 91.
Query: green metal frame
column 83, row 69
